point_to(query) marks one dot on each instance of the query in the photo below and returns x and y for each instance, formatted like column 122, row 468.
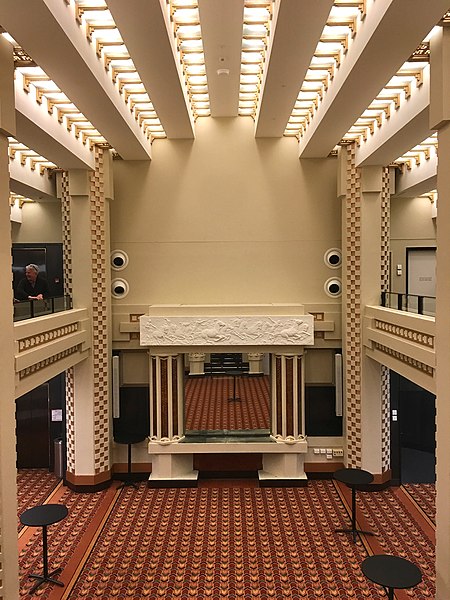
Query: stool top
column 353, row 476
column 391, row 571
column 45, row 514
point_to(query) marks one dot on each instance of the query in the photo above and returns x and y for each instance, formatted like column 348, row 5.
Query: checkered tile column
column 287, row 423
column 67, row 266
column 352, row 315
column 385, row 285
column 166, row 397
column 100, row 324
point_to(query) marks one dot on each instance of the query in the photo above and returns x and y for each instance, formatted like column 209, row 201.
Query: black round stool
column 353, row 478
column 392, row 572
column 129, row 439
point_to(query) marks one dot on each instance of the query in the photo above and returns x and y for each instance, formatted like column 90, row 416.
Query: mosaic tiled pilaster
column 166, row 397
column 66, row 233
column 67, row 269
column 385, row 285
column 100, row 324
column 287, row 422
column 352, row 315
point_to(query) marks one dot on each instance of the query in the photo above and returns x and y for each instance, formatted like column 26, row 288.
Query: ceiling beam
column 41, row 132
column 71, row 62
column 377, row 52
column 406, row 127
column 144, row 27
column 296, row 29
column 222, row 42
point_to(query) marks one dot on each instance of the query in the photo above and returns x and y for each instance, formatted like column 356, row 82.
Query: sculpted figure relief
column 205, row 331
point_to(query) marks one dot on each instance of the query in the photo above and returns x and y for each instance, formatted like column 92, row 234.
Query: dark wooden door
column 32, row 429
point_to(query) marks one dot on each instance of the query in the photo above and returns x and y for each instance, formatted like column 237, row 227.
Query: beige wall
column 41, row 222
column 411, row 226
column 225, row 219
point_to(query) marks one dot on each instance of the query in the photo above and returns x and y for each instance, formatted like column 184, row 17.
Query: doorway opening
column 40, row 426
column 227, row 401
column 413, row 432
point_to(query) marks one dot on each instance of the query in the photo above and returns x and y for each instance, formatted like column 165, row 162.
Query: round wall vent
column 119, row 288
column 333, row 258
column 333, row 287
column 119, row 260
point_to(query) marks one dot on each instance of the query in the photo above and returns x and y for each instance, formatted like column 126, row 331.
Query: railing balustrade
column 421, row 305
column 37, row 308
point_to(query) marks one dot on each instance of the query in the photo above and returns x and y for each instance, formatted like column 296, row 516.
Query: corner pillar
column 9, row 570
column 85, row 210
column 440, row 120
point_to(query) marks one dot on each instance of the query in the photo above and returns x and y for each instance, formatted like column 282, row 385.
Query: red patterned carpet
column 208, row 406
column 424, row 496
column 34, row 486
column 226, row 542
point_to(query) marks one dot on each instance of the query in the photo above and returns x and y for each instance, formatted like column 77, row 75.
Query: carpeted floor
column 209, row 404
column 232, row 541
column 37, row 484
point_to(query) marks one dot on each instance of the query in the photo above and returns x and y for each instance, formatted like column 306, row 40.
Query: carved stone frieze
column 227, row 330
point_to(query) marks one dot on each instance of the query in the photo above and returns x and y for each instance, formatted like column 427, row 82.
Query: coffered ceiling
column 124, row 73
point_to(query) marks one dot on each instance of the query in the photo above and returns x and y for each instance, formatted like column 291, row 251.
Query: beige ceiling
column 47, row 31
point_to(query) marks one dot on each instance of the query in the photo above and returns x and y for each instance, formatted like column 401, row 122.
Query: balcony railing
column 421, row 305
column 37, row 308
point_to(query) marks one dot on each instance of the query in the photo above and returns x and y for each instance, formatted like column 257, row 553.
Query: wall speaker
column 119, row 260
column 333, row 287
column 333, row 258
column 119, row 288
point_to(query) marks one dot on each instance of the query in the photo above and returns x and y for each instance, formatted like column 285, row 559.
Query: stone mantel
column 271, row 327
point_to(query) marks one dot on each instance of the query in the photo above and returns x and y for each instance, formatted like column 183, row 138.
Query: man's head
column 31, row 272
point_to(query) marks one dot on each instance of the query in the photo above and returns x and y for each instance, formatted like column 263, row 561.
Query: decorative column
column 197, row 363
column 85, row 212
column 9, row 582
column 440, row 120
column 166, row 398
column 255, row 362
column 362, row 246
column 288, row 417
column 385, row 287
column 167, row 419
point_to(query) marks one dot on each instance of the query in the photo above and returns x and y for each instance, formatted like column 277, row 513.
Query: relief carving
column 235, row 331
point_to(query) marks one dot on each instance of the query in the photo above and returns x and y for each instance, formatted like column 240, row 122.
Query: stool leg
column 129, row 459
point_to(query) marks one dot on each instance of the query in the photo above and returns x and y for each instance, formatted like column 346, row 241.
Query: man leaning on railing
column 32, row 287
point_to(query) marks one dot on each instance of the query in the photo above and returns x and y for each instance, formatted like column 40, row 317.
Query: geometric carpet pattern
column 226, row 542
column 424, row 496
column 208, row 405
column 33, row 487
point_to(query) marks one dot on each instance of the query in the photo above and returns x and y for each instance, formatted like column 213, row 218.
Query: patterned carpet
column 226, row 542
column 208, row 406
column 424, row 496
column 35, row 484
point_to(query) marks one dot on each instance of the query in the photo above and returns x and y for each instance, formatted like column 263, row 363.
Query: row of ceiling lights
column 341, row 26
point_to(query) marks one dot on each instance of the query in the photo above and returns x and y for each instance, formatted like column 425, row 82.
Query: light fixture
column 341, row 26
column 185, row 18
column 28, row 157
column 100, row 29
column 255, row 39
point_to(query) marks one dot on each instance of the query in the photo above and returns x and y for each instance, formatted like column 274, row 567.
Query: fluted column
column 288, row 414
column 166, row 398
